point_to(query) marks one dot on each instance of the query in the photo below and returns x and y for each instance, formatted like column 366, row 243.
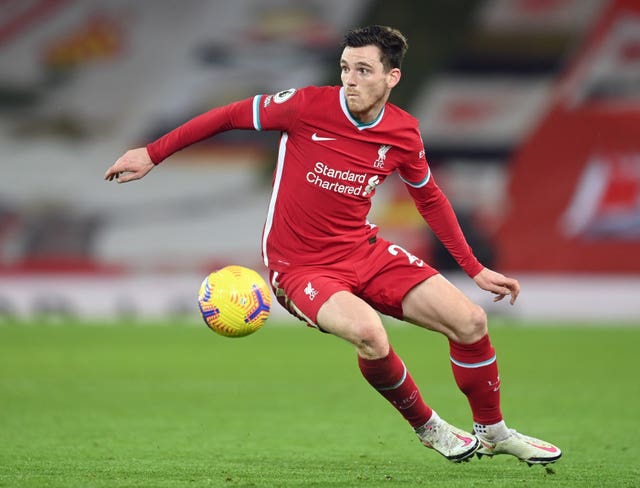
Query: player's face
column 366, row 84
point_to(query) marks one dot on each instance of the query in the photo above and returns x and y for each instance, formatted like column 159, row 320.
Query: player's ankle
column 492, row 432
column 433, row 420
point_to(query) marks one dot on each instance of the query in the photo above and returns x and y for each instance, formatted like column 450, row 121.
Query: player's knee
column 475, row 327
column 371, row 341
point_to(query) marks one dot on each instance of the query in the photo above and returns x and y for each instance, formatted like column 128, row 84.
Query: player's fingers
column 115, row 170
column 514, row 290
column 127, row 176
column 514, row 295
column 503, row 291
column 123, row 178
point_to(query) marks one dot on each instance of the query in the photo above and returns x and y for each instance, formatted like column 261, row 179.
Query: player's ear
column 393, row 77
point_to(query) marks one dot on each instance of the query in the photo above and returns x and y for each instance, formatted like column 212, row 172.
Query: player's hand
column 498, row 284
column 132, row 165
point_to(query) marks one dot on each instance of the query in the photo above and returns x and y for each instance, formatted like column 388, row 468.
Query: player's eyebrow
column 358, row 64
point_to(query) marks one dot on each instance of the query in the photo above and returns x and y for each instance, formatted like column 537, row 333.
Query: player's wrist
column 473, row 269
column 154, row 157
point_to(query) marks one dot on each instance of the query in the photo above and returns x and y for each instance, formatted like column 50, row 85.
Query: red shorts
column 382, row 274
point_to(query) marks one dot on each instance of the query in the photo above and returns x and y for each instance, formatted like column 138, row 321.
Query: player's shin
column 476, row 373
column 390, row 378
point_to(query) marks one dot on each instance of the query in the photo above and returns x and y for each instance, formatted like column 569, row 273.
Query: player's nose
column 349, row 79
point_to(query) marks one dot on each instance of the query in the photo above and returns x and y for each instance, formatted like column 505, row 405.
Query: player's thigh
column 351, row 318
column 323, row 298
column 302, row 291
column 436, row 304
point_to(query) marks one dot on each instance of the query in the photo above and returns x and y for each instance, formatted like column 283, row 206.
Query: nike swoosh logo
column 544, row 448
column 316, row 137
column 466, row 440
column 487, row 444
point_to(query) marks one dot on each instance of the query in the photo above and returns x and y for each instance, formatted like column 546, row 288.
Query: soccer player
column 329, row 267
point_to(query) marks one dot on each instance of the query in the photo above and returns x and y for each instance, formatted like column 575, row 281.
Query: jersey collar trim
column 352, row 119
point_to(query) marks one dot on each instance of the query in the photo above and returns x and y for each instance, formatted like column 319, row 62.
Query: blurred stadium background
column 530, row 111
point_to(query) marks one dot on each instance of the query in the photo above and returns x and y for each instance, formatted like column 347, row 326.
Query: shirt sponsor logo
column 373, row 182
column 345, row 182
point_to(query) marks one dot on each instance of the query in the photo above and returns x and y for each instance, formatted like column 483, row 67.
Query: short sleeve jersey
column 329, row 166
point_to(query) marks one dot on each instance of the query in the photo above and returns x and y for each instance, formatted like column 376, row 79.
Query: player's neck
column 369, row 115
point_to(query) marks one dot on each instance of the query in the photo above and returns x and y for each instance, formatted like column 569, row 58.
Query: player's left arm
column 437, row 211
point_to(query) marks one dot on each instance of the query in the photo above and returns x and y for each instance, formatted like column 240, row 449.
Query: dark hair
column 391, row 42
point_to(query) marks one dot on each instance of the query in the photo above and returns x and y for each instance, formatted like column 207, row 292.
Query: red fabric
column 436, row 210
column 385, row 375
column 220, row 119
column 379, row 277
column 329, row 166
column 481, row 384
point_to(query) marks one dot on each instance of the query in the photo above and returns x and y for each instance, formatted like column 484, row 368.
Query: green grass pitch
column 88, row 405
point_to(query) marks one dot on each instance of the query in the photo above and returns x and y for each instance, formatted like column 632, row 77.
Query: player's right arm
column 237, row 115
column 250, row 113
column 136, row 163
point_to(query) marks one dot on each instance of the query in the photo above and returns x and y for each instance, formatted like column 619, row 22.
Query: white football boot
column 453, row 443
column 528, row 449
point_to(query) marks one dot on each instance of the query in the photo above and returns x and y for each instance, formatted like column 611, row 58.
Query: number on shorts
column 394, row 249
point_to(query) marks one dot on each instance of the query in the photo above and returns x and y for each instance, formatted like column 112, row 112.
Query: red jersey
column 329, row 166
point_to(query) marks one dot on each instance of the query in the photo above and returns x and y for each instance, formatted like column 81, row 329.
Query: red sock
column 390, row 377
column 476, row 372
